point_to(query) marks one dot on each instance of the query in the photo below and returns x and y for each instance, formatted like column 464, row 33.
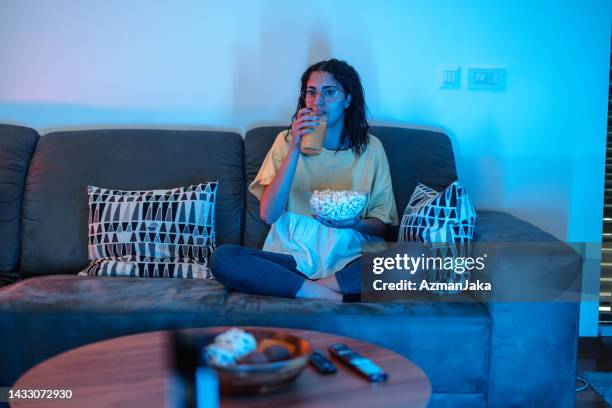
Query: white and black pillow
column 444, row 220
column 157, row 233
column 438, row 217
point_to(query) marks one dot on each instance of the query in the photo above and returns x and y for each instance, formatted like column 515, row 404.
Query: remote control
column 362, row 365
column 322, row 363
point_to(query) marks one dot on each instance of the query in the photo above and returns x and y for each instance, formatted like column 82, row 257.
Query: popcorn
column 338, row 205
column 230, row 346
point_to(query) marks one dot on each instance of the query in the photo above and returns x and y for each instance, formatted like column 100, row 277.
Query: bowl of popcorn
column 256, row 361
column 338, row 205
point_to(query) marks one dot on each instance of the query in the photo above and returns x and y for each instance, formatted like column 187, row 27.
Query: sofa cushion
column 156, row 233
column 65, row 163
column 257, row 142
column 415, row 155
column 16, row 147
column 110, row 294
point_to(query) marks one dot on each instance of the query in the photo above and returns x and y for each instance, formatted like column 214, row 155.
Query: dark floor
column 594, row 354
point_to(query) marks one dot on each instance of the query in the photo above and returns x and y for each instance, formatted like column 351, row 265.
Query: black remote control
column 322, row 363
column 362, row 365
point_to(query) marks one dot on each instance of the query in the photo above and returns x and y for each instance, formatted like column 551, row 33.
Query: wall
column 535, row 150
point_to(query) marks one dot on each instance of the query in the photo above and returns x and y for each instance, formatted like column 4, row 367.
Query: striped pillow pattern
column 431, row 216
column 156, row 233
column 445, row 221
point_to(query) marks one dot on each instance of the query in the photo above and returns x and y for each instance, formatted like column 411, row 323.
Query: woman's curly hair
column 356, row 126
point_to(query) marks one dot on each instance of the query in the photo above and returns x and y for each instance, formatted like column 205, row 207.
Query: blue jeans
column 267, row 273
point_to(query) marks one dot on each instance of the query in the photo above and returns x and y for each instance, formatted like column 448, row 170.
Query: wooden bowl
column 262, row 378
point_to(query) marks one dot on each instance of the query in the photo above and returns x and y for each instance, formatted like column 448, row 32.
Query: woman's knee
column 222, row 260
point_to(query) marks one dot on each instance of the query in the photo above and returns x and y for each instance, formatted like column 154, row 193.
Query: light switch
column 449, row 77
column 491, row 79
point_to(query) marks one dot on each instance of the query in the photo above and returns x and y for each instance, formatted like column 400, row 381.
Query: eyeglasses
column 329, row 94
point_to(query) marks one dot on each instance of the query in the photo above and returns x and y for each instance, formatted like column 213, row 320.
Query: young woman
column 306, row 256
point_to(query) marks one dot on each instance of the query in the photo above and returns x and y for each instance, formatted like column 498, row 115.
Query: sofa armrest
column 17, row 145
column 533, row 346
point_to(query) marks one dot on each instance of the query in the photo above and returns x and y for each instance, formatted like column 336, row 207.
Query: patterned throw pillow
column 445, row 220
column 431, row 216
column 157, row 233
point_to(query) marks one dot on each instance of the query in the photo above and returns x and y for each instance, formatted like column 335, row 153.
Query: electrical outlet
column 492, row 79
column 449, row 77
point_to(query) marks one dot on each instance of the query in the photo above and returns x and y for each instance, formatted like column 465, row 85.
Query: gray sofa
column 476, row 354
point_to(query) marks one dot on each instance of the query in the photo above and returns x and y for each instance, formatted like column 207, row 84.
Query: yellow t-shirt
column 318, row 250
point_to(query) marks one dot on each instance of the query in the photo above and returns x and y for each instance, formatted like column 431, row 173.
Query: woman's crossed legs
column 257, row 272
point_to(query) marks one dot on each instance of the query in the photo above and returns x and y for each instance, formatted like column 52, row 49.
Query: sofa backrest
column 415, row 156
column 46, row 213
column 17, row 144
column 55, row 210
column 257, row 142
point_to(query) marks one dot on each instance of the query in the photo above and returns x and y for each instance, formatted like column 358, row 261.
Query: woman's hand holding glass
column 304, row 123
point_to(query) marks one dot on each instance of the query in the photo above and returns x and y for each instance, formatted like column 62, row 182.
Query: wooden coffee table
column 131, row 371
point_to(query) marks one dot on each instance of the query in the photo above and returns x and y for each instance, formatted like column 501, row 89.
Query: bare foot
column 313, row 290
column 331, row 282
